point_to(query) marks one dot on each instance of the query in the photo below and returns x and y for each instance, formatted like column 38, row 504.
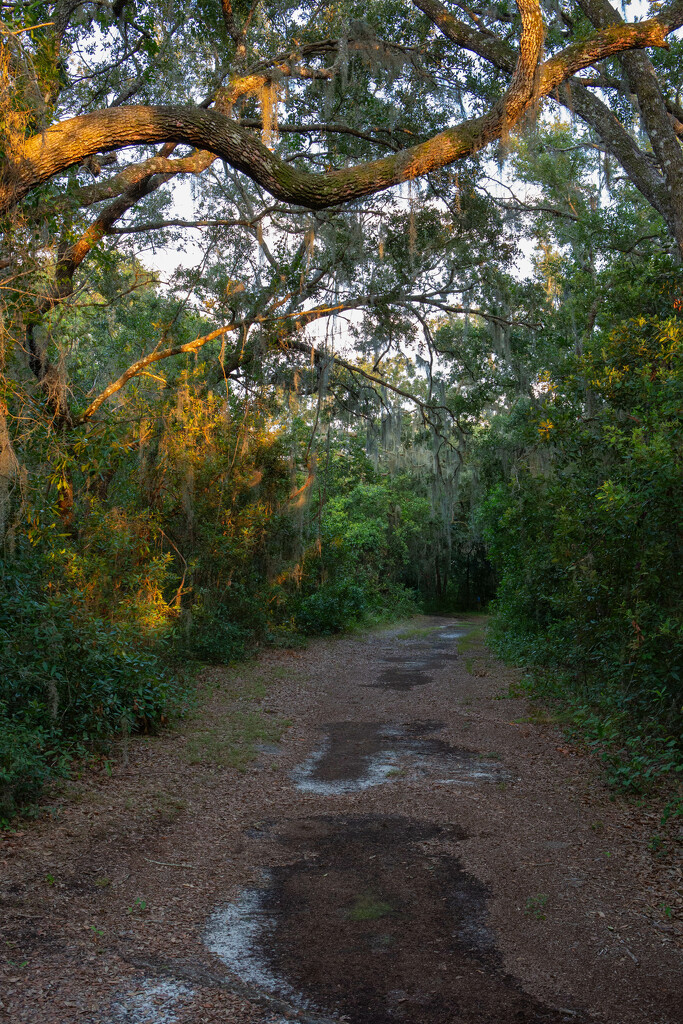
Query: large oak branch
column 72, row 141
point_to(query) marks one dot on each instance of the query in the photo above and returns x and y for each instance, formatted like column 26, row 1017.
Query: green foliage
column 535, row 906
column 24, row 760
column 333, row 606
column 368, row 907
column 212, row 637
column 70, row 680
column 371, row 537
column 586, row 538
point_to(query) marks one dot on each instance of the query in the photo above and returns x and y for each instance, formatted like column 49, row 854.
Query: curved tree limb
column 71, row 141
column 650, row 176
column 135, row 369
column 643, row 82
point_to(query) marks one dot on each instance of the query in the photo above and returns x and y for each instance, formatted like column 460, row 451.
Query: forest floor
column 410, row 845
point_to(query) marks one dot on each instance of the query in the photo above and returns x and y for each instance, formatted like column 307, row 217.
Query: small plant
column 674, row 809
column 138, row 907
column 666, row 910
column 50, row 879
column 535, row 906
column 367, row 908
column 97, row 932
column 516, row 690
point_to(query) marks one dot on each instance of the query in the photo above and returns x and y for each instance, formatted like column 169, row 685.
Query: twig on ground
column 167, row 864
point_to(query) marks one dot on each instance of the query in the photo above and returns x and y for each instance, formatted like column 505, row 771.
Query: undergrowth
column 635, row 754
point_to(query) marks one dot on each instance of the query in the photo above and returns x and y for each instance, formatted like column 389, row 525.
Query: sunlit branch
column 153, row 357
column 71, row 141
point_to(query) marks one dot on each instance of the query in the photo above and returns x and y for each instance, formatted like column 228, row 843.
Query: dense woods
column 317, row 314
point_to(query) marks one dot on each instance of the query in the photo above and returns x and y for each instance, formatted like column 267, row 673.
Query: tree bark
column 643, row 83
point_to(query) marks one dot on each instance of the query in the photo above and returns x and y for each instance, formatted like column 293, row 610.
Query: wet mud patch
column 402, row 679
column 374, row 921
column 422, row 657
column 357, row 755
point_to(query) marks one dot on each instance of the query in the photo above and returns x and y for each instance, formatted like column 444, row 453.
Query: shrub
column 69, row 680
column 589, row 550
column 24, row 765
column 211, row 636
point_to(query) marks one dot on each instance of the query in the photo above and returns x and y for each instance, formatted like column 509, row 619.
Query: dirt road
column 409, row 846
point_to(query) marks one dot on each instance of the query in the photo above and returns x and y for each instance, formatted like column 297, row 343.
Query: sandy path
column 414, row 849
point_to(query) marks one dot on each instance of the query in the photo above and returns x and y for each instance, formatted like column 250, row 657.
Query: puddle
column 152, row 1002
column 357, row 755
column 400, row 679
column 422, row 656
column 374, row 921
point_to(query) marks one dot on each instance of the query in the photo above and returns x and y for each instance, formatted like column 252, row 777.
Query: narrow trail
column 415, row 849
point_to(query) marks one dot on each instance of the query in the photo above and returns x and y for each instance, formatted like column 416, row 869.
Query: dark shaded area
column 380, row 923
column 473, row 578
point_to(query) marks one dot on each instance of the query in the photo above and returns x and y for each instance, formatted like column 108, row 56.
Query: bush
column 69, row 681
column 332, row 607
column 24, row 765
column 211, row 636
column 587, row 543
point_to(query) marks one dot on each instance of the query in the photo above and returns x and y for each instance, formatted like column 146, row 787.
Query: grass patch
column 409, row 634
column 231, row 742
column 227, row 733
column 472, row 639
column 367, row 908
column 167, row 806
column 536, row 906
